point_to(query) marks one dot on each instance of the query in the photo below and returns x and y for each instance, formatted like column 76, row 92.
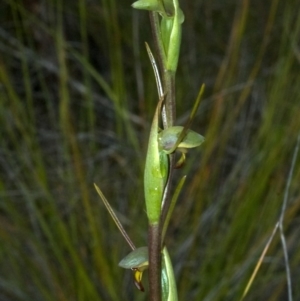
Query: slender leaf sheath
column 168, row 283
column 156, row 172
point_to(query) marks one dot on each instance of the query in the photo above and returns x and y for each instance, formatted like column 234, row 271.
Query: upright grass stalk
column 168, row 116
column 160, row 161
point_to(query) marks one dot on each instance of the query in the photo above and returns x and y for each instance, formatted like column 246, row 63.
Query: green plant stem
column 159, row 48
column 169, row 108
column 170, row 103
column 154, row 243
column 168, row 117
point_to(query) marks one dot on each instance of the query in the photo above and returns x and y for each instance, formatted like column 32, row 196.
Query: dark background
column 77, row 97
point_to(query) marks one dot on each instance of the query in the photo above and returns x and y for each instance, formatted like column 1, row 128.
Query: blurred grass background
column 77, row 98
